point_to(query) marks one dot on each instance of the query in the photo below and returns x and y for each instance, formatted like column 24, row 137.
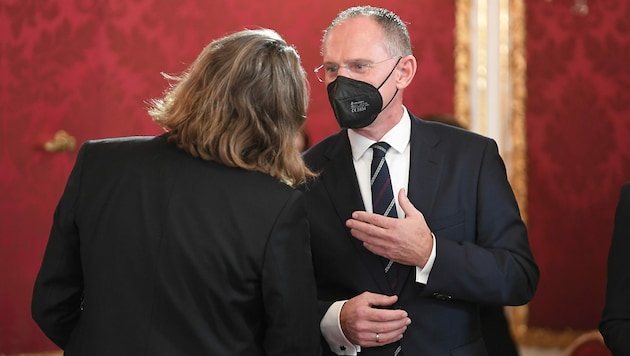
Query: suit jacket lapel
column 341, row 183
column 425, row 168
column 340, row 180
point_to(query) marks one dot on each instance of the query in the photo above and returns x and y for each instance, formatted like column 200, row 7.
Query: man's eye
column 331, row 69
column 358, row 67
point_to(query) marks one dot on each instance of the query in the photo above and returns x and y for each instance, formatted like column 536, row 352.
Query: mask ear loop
column 383, row 83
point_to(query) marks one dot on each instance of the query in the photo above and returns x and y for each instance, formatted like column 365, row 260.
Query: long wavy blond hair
column 241, row 103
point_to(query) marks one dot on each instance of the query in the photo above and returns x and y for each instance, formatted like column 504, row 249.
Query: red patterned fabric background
column 578, row 125
column 88, row 66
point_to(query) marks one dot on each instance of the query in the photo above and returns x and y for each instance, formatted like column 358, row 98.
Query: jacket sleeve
column 58, row 290
column 288, row 285
column 495, row 264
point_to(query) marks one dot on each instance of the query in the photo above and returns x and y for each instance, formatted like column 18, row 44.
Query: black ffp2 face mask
column 356, row 104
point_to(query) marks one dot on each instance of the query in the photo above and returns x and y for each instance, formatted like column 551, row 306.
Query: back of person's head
column 241, row 103
column 394, row 29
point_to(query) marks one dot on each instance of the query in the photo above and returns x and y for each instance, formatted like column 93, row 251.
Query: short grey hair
column 397, row 42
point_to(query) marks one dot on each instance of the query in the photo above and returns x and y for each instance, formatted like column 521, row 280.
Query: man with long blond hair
column 193, row 242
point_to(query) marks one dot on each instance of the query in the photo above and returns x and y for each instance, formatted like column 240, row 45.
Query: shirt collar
column 397, row 137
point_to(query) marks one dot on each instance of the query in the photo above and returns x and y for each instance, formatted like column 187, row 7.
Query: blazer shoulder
column 128, row 147
column 444, row 135
column 123, row 143
column 317, row 156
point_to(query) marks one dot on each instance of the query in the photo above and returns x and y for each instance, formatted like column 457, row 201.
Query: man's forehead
column 354, row 39
column 355, row 25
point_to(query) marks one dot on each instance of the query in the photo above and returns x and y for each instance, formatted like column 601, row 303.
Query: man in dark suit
column 615, row 324
column 409, row 280
column 193, row 242
column 495, row 328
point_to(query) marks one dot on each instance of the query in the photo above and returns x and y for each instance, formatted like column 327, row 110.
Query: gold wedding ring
column 378, row 337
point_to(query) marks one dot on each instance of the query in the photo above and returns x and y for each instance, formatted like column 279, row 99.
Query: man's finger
column 373, row 219
column 406, row 204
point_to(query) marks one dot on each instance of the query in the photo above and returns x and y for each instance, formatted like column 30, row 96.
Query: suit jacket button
column 342, row 348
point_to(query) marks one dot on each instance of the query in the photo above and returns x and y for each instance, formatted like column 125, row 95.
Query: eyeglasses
column 328, row 72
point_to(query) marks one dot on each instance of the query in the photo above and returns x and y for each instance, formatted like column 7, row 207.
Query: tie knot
column 380, row 148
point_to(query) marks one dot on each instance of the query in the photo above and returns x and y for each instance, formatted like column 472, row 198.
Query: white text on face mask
column 358, row 106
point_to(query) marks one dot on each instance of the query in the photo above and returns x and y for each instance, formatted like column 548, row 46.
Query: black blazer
column 155, row 252
column 458, row 181
column 615, row 324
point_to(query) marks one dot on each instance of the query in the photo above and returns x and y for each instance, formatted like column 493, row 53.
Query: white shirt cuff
column 331, row 330
column 422, row 274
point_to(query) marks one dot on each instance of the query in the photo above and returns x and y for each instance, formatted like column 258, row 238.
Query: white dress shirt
column 397, row 159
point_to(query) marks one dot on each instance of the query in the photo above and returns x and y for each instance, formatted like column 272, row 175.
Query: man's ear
column 406, row 71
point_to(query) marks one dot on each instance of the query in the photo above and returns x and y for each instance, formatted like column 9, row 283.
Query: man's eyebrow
column 354, row 60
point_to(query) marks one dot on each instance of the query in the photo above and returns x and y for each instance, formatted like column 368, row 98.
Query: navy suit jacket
column 458, row 181
column 156, row 252
column 615, row 324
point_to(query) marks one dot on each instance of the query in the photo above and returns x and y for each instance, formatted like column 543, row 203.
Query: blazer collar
column 340, row 179
column 425, row 168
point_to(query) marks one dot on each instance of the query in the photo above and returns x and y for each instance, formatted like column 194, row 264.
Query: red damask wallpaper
column 578, row 125
column 88, row 66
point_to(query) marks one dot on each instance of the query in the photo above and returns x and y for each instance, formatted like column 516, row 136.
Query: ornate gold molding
column 518, row 69
column 518, row 90
column 462, row 62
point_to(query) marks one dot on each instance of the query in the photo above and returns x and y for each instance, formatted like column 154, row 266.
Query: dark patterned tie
column 382, row 195
column 383, row 203
column 383, row 198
